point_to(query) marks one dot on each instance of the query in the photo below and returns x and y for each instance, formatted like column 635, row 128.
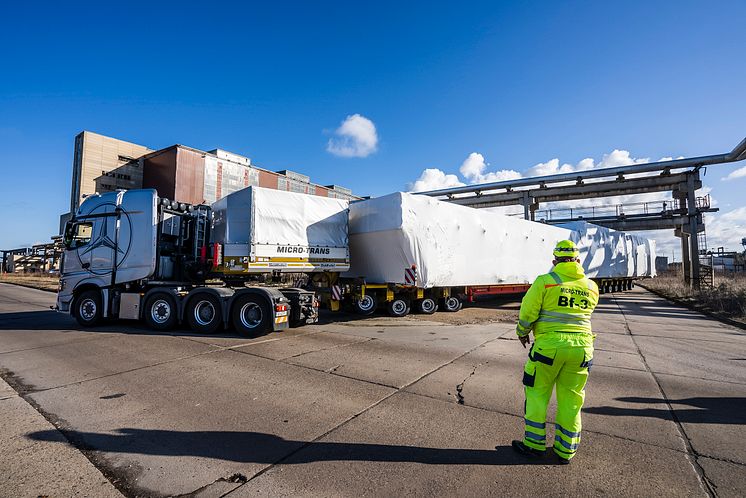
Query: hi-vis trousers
column 567, row 368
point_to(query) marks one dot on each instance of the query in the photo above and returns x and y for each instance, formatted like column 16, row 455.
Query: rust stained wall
column 190, row 176
column 268, row 179
column 159, row 172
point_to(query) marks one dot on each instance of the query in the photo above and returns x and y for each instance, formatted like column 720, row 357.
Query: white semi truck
column 133, row 255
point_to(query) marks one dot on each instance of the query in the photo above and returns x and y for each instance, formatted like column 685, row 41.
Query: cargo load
column 420, row 241
column 263, row 230
column 607, row 253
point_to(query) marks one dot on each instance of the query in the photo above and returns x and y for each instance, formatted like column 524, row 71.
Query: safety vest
column 559, row 302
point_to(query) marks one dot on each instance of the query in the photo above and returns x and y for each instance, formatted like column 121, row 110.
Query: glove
column 525, row 339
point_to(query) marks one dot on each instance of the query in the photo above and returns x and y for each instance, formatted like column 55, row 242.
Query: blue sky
column 518, row 84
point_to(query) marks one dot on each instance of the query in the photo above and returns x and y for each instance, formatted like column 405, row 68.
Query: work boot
column 526, row 451
column 562, row 461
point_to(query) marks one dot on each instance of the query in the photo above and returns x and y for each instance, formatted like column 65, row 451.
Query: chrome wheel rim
column 251, row 315
column 160, row 311
column 428, row 305
column 366, row 303
column 204, row 313
column 399, row 306
column 87, row 309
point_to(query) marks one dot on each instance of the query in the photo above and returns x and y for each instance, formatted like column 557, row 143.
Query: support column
column 686, row 262
column 691, row 208
column 526, row 202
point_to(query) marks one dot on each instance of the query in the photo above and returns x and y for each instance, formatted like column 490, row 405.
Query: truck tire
column 365, row 306
column 451, row 304
column 204, row 314
column 398, row 307
column 88, row 309
column 251, row 316
column 160, row 311
column 426, row 306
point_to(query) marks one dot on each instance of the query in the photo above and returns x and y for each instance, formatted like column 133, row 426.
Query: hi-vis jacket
column 558, row 307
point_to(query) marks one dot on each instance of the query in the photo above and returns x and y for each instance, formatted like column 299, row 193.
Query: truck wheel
column 366, row 305
column 398, row 307
column 88, row 308
column 451, row 304
column 204, row 314
column 426, row 306
column 160, row 311
column 250, row 316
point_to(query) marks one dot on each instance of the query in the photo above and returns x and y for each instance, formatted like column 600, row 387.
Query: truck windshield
column 78, row 234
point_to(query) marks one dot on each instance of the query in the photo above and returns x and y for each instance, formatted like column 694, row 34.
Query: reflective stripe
column 531, row 423
column 564, row 443
column 535, row 437
column 563, row 451
column 563, row 320
column 524, row 323
column 555, row 277
column 566, row 432
column 563, row 315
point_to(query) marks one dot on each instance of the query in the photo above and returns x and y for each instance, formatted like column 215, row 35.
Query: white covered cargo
column 607, row 253
column 266, row 230
column 448, row 245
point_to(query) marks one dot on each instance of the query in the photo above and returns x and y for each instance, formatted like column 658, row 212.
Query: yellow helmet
column 566, row 249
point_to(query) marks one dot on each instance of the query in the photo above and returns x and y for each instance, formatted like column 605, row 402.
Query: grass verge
column 725, row 300
column 41, row 281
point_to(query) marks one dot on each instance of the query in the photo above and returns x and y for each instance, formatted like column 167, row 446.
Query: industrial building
column 103, row 164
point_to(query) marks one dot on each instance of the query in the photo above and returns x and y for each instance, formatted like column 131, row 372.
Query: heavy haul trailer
column 133, row 255
column 413, row 252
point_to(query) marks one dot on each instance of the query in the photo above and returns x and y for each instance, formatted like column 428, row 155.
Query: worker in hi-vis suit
column 557, row 308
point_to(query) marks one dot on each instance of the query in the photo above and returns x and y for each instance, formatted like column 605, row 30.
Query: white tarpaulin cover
column 452, row 245
column 278, row 227
column 608, row 253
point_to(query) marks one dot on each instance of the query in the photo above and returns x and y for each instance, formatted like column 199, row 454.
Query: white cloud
column 726, row 229
column 434, row 179
column 473, row 170
column 355, row 137
column 738, row 173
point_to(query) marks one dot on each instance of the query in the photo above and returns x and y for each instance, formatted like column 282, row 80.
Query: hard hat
column 566, row 249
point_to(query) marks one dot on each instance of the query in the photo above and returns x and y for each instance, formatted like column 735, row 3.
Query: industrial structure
column 680, row 177
column 104, row 164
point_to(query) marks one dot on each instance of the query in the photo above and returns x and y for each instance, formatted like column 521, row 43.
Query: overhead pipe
column 737, row 154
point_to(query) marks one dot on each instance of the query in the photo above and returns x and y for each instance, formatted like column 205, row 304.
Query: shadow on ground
column 257, row 447
column 703, row 410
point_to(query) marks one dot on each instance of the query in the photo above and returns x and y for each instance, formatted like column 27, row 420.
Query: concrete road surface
column 376, row 407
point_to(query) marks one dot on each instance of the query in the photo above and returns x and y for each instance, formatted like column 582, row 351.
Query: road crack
column 460, row 387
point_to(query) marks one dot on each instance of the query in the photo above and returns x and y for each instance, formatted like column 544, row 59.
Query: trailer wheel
column 88, row 308
column 204, row 314
column 451, row 304
column 426, row 306
column 160, row 311
column 398, row 307
column 250, row 316
column 366, row 305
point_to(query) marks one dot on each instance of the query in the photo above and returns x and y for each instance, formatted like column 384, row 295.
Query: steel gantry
column 680, row 177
